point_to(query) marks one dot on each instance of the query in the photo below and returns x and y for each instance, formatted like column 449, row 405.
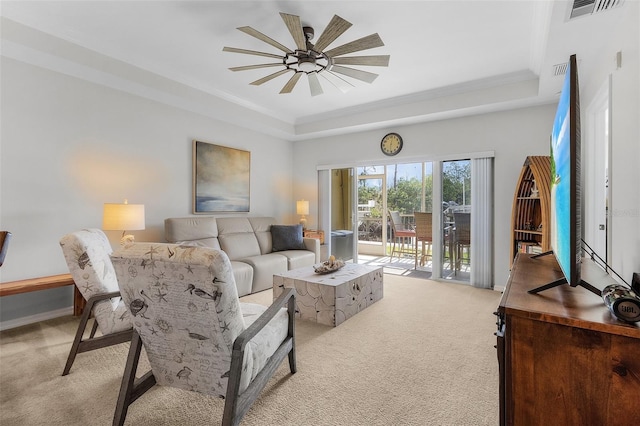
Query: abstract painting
column 221, row 177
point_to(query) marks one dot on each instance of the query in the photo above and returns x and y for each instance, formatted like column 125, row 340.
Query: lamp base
column 303, row 222
column 127, row 240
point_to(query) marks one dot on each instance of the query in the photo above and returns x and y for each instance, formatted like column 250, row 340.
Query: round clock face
column 391, row 144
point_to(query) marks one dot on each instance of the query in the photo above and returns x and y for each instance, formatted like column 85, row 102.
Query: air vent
column 589, row 7
column 560, row 69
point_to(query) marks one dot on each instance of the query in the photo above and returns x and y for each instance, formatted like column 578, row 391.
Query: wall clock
column 391, row 144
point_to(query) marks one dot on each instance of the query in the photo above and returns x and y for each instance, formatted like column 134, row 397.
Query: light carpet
column 423, row 355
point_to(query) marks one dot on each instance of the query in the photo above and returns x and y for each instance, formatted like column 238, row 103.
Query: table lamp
column 123, row 217
column 302, row 208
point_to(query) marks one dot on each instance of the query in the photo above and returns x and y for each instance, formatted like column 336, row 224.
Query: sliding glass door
column 456, row 219
column 442, row 243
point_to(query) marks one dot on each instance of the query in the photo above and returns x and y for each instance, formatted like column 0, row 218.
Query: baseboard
column 18, row 322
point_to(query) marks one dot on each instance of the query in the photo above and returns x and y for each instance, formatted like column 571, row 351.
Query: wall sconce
column 302, row 208
column 123, row 217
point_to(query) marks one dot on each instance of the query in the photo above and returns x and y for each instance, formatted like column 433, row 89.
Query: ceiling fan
column 312, row 59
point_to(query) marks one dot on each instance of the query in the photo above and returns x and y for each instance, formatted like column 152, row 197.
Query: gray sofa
column 248, row 243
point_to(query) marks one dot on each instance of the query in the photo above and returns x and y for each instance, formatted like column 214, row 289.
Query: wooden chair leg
column 131, row 389
column 76, row 341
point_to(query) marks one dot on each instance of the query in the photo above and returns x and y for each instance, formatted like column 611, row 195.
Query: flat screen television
column 566, row 197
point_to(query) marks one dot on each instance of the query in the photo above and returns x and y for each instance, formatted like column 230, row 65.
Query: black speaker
column 623, row 303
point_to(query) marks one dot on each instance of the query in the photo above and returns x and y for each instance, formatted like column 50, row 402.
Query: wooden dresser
column 563, row 358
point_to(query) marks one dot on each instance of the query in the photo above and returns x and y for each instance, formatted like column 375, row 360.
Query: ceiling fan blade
column 257, row 34
column 336, row 27
column 291, row 83
column 295, row 28
column 255, row 67
column 343, row 85
column 314, row 84
column 364, row 43
column 251, row 52
column 374, row 61
column 269, row 77
column 354, row 73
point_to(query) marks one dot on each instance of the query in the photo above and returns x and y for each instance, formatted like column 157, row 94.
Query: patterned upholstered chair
column 87, row 255
column 196, row 333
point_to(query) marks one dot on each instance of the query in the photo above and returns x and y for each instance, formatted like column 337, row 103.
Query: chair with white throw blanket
column 197, row 335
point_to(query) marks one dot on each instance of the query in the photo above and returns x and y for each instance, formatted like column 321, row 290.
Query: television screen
column 565, row 178
column 566, row 199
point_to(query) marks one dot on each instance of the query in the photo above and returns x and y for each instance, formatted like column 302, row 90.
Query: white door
column 595, row 171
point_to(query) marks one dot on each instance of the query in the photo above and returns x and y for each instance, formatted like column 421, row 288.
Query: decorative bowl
column 327, row 266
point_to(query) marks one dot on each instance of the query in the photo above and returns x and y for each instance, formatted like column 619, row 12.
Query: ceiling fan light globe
column 307, row 64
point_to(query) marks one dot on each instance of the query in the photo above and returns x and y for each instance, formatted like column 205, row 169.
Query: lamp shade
column 302, row 207
column 123, row 217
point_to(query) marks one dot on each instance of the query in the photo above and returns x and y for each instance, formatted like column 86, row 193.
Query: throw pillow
column 286, row 237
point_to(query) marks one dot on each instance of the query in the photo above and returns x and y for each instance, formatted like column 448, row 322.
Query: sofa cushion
column 299, row 258
column 286, row 237
column 190, row 228
column 262, row 228
column 236, row 237
column 264, row 268
column 243, row 274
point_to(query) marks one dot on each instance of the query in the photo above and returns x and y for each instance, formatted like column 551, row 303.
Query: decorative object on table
column 535, row 210
column 313, row 60
column 123, row 217
column 623, row 302
column 329, row 266
column 534, row 190
column 314, row 233
column 302, row 208
column 221, row 178
column 391, row 144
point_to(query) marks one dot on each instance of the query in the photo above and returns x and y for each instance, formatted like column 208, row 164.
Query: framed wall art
column 221, row 177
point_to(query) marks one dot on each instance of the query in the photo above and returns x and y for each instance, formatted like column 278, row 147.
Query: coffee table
column 332, row 298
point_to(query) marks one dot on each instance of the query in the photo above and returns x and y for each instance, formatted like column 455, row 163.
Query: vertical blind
column 482, row 222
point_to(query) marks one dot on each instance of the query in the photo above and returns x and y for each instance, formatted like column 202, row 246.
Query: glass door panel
column 456, row 220
column 424, row 225
column 371, row 221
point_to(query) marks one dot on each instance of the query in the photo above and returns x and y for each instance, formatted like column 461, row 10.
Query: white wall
column 513, row 135
column 68, row 146
column 625, row 136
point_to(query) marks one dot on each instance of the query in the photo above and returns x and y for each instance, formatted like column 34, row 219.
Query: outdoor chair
column 87, row 255
column 424, row 236
column 400, row 235
column 462, row 238
column 196, row 333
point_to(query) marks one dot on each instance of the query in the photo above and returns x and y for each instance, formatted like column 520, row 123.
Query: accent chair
column 197, row 334
column 87, row 255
